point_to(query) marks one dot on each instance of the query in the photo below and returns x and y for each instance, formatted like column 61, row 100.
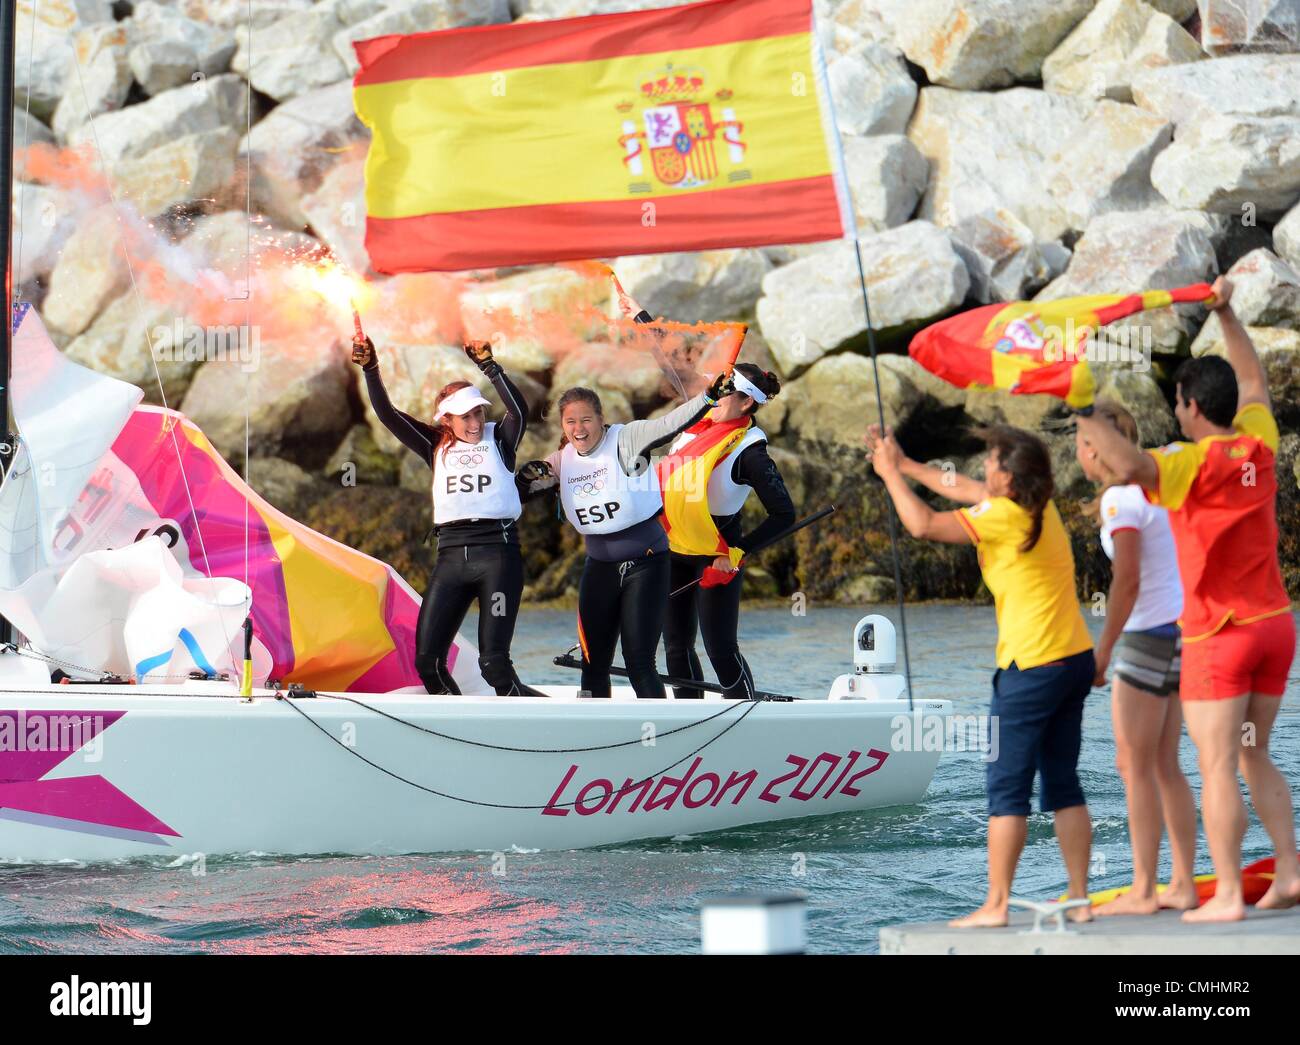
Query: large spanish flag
column 686, row 128
column 1033, row 347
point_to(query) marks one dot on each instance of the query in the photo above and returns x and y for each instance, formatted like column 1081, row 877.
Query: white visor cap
column 461, row 402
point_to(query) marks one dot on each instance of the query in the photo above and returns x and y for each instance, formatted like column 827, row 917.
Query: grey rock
column 813, row 306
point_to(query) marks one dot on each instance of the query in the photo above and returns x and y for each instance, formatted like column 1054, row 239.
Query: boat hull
column 161, row 771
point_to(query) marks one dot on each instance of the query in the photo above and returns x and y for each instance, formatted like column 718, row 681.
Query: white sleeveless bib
column 598, row 497
column 726, row 496
column 471, row 481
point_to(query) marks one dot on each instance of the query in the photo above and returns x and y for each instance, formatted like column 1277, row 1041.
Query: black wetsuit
column 716, row 611
column 478, row 559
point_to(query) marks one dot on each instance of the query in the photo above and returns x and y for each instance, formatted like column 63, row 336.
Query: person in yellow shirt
column 1044, row 655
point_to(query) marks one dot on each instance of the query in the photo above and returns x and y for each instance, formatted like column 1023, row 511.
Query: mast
column 8, row 35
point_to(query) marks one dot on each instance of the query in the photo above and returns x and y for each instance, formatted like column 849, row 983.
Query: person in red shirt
column 1238, row 635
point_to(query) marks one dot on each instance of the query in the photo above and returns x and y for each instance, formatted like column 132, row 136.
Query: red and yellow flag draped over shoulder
column 1033, row 347
column 686, row 128
column 684, row 481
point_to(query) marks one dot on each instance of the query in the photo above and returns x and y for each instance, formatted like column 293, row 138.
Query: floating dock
column 1262, row 932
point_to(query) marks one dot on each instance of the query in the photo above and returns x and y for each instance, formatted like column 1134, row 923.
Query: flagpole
column 8, row 35
column 890, row 514
column 849, row 212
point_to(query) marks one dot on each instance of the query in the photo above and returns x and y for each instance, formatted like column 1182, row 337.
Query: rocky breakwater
column 996, row 150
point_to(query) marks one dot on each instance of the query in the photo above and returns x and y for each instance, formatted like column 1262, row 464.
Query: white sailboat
column 139, row 764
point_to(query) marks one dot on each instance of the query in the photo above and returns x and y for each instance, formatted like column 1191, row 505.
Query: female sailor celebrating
column 1141, row 640
column 1044, row 653
column 475, row 506
column 610, row 494
column 726, row 454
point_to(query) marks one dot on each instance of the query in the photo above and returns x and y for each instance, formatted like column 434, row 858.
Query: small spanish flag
column 686, row 128
column 1033, row 347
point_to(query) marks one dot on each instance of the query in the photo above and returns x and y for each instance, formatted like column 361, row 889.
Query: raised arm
column 950, row 484
column 1252, row 382
column 416, row 436
column 918, row 518
column 638, row 438
column 510, row 431
column 1117, row 455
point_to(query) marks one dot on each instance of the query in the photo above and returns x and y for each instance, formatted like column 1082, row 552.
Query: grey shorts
column 1150, row 660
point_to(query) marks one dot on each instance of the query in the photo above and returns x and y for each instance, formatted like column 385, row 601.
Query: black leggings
column 717, row 612
column 492, row 574
column 623, row 600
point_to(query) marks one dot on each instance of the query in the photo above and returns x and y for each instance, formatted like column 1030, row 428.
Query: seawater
column 860, row 871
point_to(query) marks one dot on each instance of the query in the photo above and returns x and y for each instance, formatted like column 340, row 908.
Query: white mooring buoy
column 753, row 923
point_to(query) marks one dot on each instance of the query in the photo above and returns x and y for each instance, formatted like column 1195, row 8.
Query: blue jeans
column 1039, row 717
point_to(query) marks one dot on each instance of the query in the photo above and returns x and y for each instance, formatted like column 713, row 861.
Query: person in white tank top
column 609, row 492
column 1140, row 640
column 475, row 507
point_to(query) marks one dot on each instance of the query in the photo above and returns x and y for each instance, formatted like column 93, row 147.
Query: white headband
column 461, row 401
column 743, row 384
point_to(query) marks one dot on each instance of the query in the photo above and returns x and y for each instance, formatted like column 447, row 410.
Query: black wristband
column 643, row 317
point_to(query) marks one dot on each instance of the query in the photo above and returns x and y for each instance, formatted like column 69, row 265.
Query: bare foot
column 987, row 917
column 1130, row 902
column 1279, row 898
column 1180, row 899
column 1079, row 914
column 1217, row 909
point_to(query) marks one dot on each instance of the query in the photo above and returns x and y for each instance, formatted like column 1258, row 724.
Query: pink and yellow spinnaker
column 331, row 617
column 1033, row 347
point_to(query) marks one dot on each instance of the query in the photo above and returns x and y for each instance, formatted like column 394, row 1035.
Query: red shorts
column 1239, row 659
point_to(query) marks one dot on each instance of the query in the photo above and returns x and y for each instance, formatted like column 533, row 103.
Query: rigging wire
column 506, row 805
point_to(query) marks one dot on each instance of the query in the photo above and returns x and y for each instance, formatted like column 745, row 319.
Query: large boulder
column 230, row 14
column 562, row 304
column 1146, row 250
column 887, row 175
column 632, row 373
column 336, row 212
column 1137, row 390
column 1286, row 237
column 47, row 217
column 127, row 338
column 872, row 91
column 415, row 16
column 192, row 167
column 814, row 306
column 101, row 79
column 43, row 61
column 1243, row 85
column 295, row 398
column 1237, row 26
column 206, row 105
column 1106, row 165
column 169, row 49
column 1118, row 39
column 90, row 272
column 695, row 287
column 1004, row 260
column 233, row 243
column 296, row 145
column 835, row 400
column 989, row 151
column 1266, row 293
column 1232, row 165
column 973, row 44
column 295, row 54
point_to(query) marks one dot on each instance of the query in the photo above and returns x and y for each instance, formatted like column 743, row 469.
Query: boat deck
column 1263, row 932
